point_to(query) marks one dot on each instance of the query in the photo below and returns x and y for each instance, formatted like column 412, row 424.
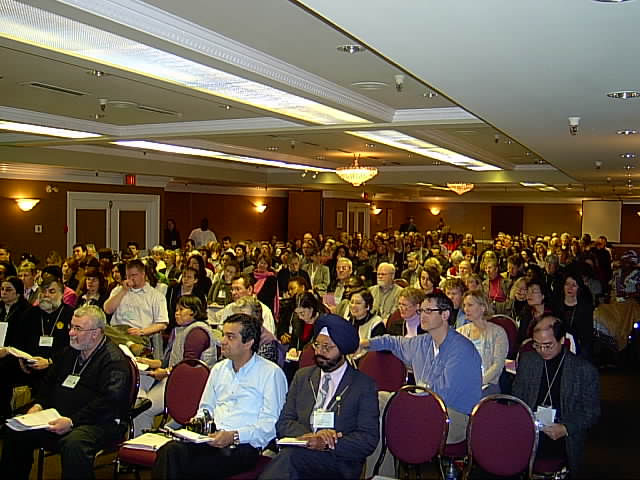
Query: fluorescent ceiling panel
column 400, row 140
column 199, row 152
column 26, row 24
column 40, row 130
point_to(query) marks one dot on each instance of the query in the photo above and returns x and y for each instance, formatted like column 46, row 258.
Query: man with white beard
column 386, row 293
column 46, row 327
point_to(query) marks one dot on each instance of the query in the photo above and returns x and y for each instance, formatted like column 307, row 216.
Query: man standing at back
column 443, row 361
column 333, row 407
column 202, row 236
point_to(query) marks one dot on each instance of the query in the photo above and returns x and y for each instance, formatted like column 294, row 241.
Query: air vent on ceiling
column 161, row 111
column 55, row 88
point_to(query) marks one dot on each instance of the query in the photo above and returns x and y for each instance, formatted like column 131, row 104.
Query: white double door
column 110, row 220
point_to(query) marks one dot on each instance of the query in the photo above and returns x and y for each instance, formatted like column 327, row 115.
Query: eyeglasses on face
column 429, row 310
column 77, row 329
column 543, row 347
column 322, row 347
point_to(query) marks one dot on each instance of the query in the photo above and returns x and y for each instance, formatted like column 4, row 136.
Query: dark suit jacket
column 579, row 396
column 356, row 414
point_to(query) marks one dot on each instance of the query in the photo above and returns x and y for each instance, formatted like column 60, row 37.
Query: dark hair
column 150, row 271
column 247, row 279
column 443, row 303
column 191, row 269
column 310, row 300
column 365, row 294
column 516, row 259
column 242, row 247
column 193, row 303
column 300, row 281
column 250, row 328
column 226, row 238
column 54, row 271
column 105, row 254
column 10, row 270
column 17, row 284
column 133, row 244
column 202, row 271
column 93, row 272
column 81, row 245
column 557, row 327
column 266, row 259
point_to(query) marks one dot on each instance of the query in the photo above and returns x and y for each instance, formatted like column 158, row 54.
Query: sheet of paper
column 148, row 441
column 3, row 332
column 33, row 421
column 19, row 354
column 291, row 442
column 188, row 435
column 127, row 351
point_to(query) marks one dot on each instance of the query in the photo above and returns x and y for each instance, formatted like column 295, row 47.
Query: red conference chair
column 135, row 408
column 549, row 468
column 386, row 369
column 511, row 329
column 414, row 426
column 501, row 437
column 181, row 399
column 306, row 357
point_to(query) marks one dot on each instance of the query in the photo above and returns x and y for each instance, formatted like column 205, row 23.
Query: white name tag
column 45, row 341
column 71, row 381
column 322, row 419
column 546, row 416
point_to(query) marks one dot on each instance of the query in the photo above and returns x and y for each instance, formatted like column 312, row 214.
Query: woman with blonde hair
column 489, row 339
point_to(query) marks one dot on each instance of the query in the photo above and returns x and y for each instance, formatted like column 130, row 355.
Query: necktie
column 324, row 391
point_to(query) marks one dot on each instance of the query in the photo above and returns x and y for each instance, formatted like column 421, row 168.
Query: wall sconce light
column 261, row 207
column 580, row 212
column 375, row 210
column 434, row 211
column 26, row 204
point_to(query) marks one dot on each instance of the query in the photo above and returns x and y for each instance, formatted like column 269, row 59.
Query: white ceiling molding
column 440, row 115
column 160, row 24
column 206, row 126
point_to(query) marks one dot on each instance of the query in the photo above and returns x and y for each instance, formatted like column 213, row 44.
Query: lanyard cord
column 53, row 326
column 86, row 362
column 550, row 384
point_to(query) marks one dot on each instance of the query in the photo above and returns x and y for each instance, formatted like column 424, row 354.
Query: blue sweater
column 455, row 374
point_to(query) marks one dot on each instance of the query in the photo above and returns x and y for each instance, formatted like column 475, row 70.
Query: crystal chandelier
column 356, row 174
column 460, row 188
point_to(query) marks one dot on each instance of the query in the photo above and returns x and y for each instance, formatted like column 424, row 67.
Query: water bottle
column 451, row 472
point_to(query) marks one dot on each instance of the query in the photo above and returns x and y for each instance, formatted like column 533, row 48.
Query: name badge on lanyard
column 71, row 381
column 322, row 419
column 45, row 341
column 546, row 416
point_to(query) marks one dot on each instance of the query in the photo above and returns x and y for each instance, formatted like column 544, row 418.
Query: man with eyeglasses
column 89, row 385
column 562, row 389
column 442, row 360
column 332, row 407
column 386, row 293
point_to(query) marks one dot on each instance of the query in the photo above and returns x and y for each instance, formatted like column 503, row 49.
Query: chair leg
column 40, row 472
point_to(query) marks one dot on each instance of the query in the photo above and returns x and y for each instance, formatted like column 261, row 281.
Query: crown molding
column 170, row 28
column 440, row 115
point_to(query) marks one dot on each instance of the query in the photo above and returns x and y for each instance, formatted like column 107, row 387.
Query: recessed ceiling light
column 96, row 73
column 225, row 107
column 624, row 94
column 272, row 148
column 430, row 94
column 627, row 132
column 354, row 48
column 370, row 145
column 627, row 155
column 370, row 85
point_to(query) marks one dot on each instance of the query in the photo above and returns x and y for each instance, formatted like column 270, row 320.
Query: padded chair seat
column 135, row 456
column 455, row 450
column 254, row 473
column 548, row 465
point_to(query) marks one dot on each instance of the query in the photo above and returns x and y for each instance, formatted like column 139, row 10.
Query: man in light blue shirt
column 442, row 360
column 245, row 394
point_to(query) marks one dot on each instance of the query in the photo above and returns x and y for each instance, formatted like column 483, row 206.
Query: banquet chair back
column 501, row 437
column 414, row 426
column 307, row 357
column 511, row 329
column 386, row 369
column 184, row 389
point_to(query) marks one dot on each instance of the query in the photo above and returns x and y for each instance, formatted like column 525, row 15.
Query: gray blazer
column 579, row 397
